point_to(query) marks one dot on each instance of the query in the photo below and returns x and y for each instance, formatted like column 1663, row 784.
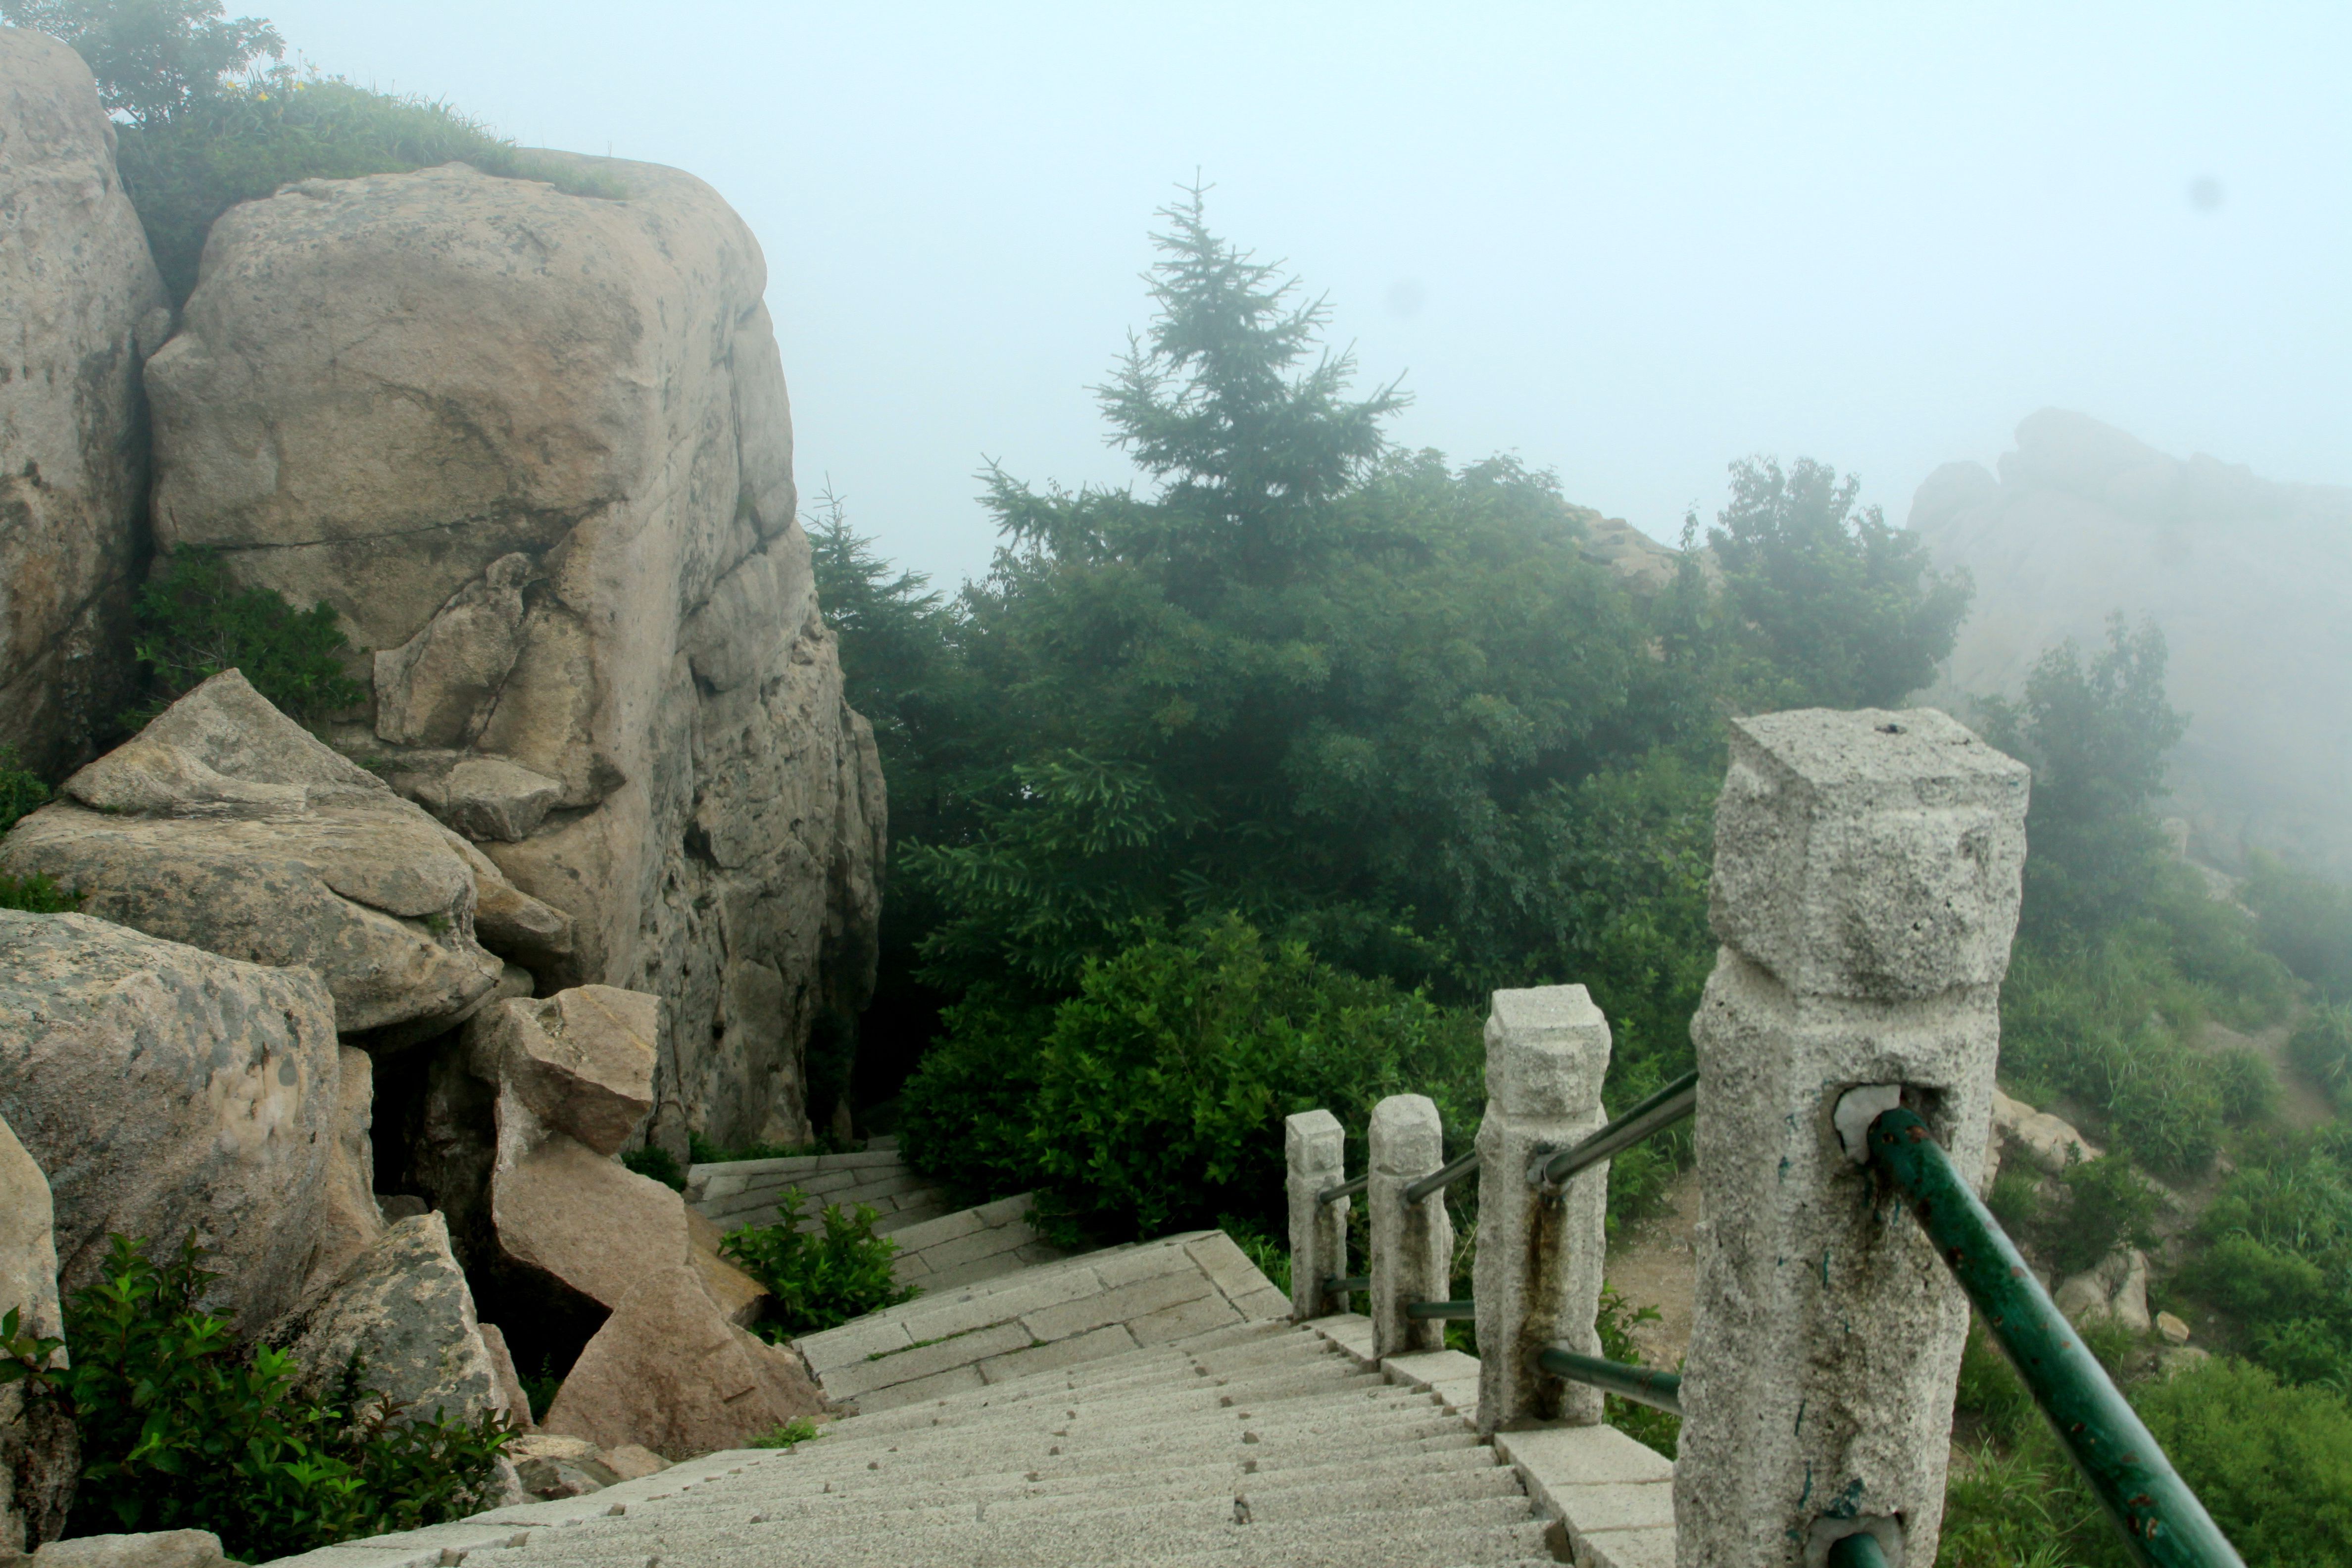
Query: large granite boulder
column 39, row 1456
column 403, row 1307
column 164, row 1089
column 2247, row 577
column 535, row 451
column 75, row 272
column 581, row 1060
column 226, row 825
column 668, row 1373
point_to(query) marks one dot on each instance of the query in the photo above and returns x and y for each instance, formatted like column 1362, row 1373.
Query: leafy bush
column 37, row 895
column 153, row 59
column 820, row 1280
column 1660, row 1430
column 2276, row 1257
column 2307, row 922
column 2272, row 1464
column 21, row 793
column 194, row 622
column 657, row 1164
column 182, row 1428
column 2249, row 1090
column 1154, row 1102
column 2322, row 1046
column 2108, row 1206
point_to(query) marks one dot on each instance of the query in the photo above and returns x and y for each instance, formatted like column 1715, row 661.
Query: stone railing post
column 1316, row 1148
column 1539, row 1250
column 1866, row 880
column 1413, row 1246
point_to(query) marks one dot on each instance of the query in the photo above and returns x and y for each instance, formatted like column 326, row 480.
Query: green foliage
column 2307, row 922
column 2096, row 733
column 791, row 1434
column 2108, row 1205
column 2275, row 1258
column 21, row 793
column 2250, row 1090
column 154, row 60
column 2272, row 1464
column 194, row 622
column 539, row 1390
column 37, row 895
column 183, row 1428
column 2322, row 1046
column 1154, row 1100
column 1659, row 1429
column 656, row 1164
column 1831, row 608
column 818, row 1281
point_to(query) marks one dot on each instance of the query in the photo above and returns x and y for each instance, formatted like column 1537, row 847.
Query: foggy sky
column 1627, row 242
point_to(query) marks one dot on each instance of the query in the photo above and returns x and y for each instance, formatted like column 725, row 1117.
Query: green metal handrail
column 1339, row 1190
column 1346, row 1284
column 1662, row 1110
column 1641, row 1384
column 2163, row 1523
column 1859, row 1549
column 1442, row 1312
column 1444, row 1176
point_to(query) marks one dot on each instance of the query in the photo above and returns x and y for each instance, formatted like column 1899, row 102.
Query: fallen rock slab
column 164, row 1089
column 403, row 1309
column 668, row 1373
column 150, row 1549
column 225, row 826
column 585, row 1222
column 549, row 1466
column 582, row 1060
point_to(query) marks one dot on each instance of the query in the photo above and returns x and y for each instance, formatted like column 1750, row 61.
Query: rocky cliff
column 535, row 449
column 2248, row 578
column 77, row 282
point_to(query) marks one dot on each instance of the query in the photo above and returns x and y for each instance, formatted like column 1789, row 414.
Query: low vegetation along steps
column 939, row 1246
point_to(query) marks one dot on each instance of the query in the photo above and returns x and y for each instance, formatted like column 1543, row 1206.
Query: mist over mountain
column 2249, row 578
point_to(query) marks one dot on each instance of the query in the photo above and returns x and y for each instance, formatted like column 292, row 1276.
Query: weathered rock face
column 225, row 826
column 162, row 1088
column 404, row 1308
column 668, row 1373
column 536, row 451
column 2248, row 579
column 75, row 272
column 39, row 1455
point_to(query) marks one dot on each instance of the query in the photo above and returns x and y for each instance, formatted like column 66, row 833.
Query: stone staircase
column 1121, row 1432
column 939, row 1246
column 1260, row 1443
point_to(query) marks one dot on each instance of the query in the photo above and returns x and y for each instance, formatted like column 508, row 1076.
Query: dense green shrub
column 2272, row 1464
column 2250, row 1090
column 2322, row 1046
column 2275, row 1258
column 194, row 622
column 817, row 1280
column 21, row 793
column 2108, row 1205
column 2307, row 922
column 183, row 1428
column 1659, row 1429
column 37, row 895
column 657, row 1164
column 1154, row 1102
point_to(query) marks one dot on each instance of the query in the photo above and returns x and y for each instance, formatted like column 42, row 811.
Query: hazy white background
column 1629, row 242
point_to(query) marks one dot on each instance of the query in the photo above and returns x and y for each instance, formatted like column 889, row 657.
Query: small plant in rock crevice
column 820, row 1279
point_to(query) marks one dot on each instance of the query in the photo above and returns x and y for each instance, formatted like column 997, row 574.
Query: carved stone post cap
column 1312, row 1140
column 1869, row 854
column 1547, row 1051
column 1407, row 1138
